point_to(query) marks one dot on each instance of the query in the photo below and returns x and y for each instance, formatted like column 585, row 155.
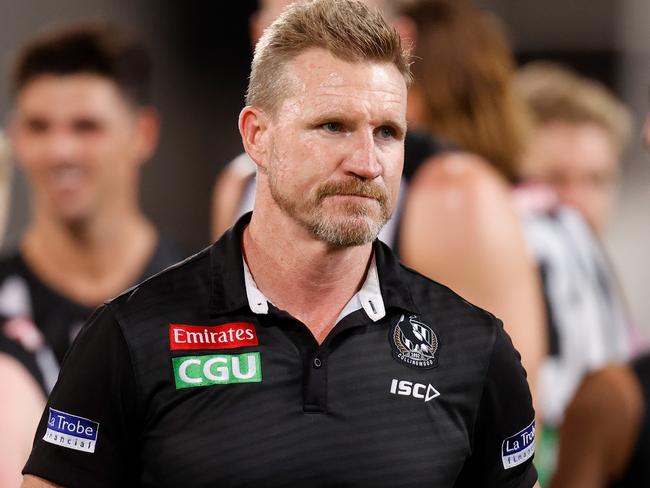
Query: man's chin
column 347, row 231
column 72, row 218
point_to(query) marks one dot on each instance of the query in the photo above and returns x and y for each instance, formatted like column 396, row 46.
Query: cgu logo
column 416, row 390
column 218, row 369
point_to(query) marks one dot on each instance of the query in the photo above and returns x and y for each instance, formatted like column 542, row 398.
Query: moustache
column 359, row 188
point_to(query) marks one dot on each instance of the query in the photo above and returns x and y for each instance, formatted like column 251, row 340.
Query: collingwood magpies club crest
column 414, row 343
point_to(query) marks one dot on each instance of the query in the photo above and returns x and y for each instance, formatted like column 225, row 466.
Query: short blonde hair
column 348, row 29
column 556, row 94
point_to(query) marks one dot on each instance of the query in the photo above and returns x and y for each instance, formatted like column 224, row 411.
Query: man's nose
column 362, row 161
column 61, row 146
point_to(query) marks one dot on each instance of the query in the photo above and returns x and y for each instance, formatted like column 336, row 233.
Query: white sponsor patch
column 71, row 431
column 518, row 448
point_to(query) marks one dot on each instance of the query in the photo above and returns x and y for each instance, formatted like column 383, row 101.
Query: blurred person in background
column 459, row 224
column 576, row 147
column 80, row 129
column 605, row 437
column 580, row 131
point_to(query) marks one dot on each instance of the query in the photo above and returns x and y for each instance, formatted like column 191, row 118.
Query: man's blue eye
column 332, row 126
column 386, row 132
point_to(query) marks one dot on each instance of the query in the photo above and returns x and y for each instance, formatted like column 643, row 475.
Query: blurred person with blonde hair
column 580, row 132
column 605, row 437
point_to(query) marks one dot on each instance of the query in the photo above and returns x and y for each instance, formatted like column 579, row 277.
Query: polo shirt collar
column 377, row 295
column 368, row 297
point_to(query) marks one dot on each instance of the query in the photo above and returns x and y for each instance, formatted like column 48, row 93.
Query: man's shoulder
column 429, row 297
column 422, row 285
column 184, row 284
column 451, row 310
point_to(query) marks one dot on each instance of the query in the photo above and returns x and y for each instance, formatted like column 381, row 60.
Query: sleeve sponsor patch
column 71, row 431
column 518, row 448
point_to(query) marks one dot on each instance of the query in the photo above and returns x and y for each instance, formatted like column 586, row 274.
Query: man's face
column 581, row 162
column 336, row 147
column 76, row 139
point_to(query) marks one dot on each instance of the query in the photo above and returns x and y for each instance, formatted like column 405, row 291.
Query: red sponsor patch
column 225, row 336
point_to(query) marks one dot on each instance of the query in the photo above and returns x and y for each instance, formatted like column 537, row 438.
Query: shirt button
column 317, row 363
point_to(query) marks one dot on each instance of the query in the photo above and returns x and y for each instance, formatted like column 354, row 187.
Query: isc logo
column 416, row 390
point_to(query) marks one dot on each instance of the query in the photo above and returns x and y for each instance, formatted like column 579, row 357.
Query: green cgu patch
column 217, row 369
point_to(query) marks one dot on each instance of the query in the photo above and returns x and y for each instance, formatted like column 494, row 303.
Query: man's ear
column 253, row 127
column 148, row 133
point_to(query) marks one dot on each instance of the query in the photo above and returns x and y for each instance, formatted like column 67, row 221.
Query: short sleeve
column 503, row 442
column 87, row 434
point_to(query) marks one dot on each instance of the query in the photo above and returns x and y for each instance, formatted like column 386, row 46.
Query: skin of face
column 581, row 162
column 80, row 143
column 334, row 150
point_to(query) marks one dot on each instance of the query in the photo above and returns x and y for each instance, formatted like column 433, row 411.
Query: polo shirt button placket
column 315, row 393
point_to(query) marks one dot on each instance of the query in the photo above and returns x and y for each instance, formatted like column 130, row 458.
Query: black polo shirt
column 179, row 383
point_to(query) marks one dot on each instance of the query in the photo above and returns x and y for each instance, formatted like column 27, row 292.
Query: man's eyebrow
column 33, row 119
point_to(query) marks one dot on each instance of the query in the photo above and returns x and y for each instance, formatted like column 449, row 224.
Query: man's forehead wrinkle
column 333, row 104
column 335, row 81
column 324, row 85
column 362, row 96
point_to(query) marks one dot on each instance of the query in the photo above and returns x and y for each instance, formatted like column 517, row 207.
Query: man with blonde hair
column 297, row 351
column 581, row 130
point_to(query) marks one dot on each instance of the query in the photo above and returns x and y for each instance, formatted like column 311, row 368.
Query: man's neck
column 302, row 275
column 91, row 261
